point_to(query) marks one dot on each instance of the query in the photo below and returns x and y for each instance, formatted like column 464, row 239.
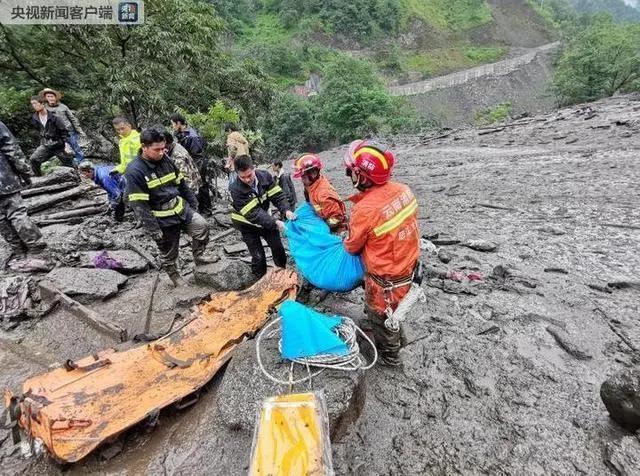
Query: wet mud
column 502, row 373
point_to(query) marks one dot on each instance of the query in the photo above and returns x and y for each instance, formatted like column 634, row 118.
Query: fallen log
column 496, row 207
column 87, row 315
column 82, row 212
column 30, row 192
column 73, row 410
column 621, row 225
column 490, row 131
column 42, row 203
column 58, row 175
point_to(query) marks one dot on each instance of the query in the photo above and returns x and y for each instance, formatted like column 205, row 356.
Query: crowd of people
column 163, row 178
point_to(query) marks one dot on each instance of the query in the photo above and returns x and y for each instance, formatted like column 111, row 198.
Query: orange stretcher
column 292, row 437
column 73, row 411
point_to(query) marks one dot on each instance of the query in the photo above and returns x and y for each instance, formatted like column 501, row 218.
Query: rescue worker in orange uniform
column 383, row 229
column 319, row 192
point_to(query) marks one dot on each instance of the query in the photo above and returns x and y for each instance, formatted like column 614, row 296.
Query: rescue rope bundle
column 347, row 330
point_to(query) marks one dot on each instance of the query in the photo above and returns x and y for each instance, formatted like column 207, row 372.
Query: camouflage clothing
column 186, row 165
column 14, row 169
column 15, row 226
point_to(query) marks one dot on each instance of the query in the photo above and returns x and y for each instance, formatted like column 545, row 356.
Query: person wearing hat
column 53, row 104
column 54, row 137
column 113, row 184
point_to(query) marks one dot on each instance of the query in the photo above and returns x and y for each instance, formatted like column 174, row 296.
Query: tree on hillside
column 291, row 126
column 353, row 102
column 599, row 61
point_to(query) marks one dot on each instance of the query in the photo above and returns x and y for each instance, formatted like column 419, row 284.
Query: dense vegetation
column 237, row 60
column 600, row 60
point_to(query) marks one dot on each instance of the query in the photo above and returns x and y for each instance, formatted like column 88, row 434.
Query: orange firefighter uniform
column 384, row 229
column 327, row 203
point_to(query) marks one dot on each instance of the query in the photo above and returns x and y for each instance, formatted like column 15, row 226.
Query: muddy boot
column 390, row 360
column 175, row 277
column 202, row 260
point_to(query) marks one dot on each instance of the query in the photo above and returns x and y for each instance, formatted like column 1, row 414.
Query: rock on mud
column 245, row 387
column 621, row 395
column 225, row 275
column 86, row 285
column 481, row 245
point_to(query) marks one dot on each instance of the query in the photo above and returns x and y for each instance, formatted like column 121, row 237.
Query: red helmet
column 305, row 163
column 371, row 160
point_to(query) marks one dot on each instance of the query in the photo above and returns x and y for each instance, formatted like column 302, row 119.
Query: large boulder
column 245, row 387
column 224, row 275
column 86, row 285
column 621, row 395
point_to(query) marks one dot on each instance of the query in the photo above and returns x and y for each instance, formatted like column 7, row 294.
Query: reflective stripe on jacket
column 384, row 229
column 158, row 193
column 251, row 206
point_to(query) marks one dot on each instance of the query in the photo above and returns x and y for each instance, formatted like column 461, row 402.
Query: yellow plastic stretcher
column 74, row 411
column 292, row 437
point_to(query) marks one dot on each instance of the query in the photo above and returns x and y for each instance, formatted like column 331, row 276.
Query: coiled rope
column 347, row 330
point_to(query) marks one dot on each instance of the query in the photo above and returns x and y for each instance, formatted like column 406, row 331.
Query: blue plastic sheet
column 319, row 255
column 307, row 333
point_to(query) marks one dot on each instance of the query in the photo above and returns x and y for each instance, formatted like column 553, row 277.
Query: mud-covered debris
column 87, row 285
column 130, row 261
column 245, row 387
column 444, row 256
column 235, row 248
column 623, row 456
column 565, row 341
column 225, row 275
column 481, row 245
column 555, row 269
column 428, row 247
column 552, row 230
column 635, row 285
column 621, row 395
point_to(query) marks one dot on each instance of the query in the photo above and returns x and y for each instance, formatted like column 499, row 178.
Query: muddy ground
column 501, row 375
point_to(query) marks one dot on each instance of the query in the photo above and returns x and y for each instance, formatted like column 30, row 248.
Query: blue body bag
column 319, row 255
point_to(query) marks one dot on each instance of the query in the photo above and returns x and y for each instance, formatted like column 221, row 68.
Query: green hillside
column 404, row 39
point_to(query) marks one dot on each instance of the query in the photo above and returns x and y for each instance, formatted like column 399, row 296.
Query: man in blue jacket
column 114, row 184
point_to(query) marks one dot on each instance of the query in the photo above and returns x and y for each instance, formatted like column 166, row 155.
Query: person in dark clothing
column 284, row 180
column 53, row 137
column 16, row 227
column 164, row 204
column 53, row 104
column 113, row 184
column 251, row 196
column 191, row 140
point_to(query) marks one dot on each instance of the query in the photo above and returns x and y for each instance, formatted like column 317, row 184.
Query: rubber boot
column 175, row 277
column 202, row 260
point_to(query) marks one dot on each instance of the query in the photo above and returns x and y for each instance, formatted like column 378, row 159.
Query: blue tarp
column 307, row 333
column 319, row 255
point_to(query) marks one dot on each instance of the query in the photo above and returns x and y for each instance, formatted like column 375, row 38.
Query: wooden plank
column 83, row 313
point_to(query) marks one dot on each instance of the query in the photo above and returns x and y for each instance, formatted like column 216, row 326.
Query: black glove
column 26, row 180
